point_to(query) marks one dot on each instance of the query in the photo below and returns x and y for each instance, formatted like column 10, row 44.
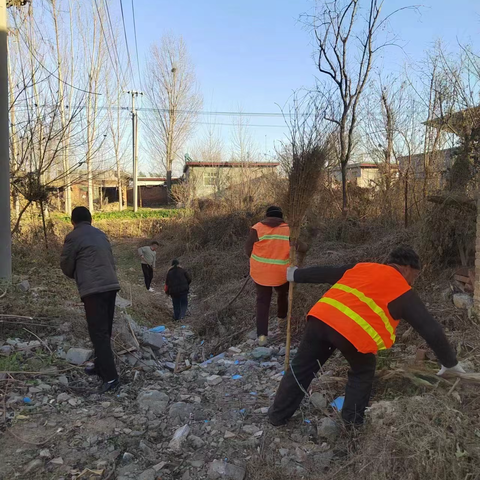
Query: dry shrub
column 447, row 228
column 428, row 437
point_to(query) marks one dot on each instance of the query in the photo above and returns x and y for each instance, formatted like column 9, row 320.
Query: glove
column 291, row 274
column 456, row 369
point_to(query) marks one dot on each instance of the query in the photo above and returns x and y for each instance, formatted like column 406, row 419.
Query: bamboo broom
column 307, row 161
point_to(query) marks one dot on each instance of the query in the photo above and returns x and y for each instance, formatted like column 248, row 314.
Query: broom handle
column 289, row 314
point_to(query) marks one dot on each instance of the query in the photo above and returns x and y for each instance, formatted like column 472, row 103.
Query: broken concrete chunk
column 328, row 428
column 214, row 379
column 323, row 460
column 463, row 301
column 24, row 286
column 179, row 437
column 181, row 410
column 229, row 434
column 196, row 442
column 63, row 397
column 122, row 302
column 219, row 470
column 154, row 340
column 251, row 429
column 261, row 352
column 149, row 474
column 318, row 400
column 77, row 356
column 57, row 461
column 153, row 400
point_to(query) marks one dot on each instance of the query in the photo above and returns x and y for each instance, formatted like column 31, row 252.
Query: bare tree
column 346, row 39
column 171, row 88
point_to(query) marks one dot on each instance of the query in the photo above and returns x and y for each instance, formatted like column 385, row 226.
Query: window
column 210, row 179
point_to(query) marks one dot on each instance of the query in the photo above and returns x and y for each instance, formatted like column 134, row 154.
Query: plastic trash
column 253, row 393
column 307, row 421
column 242, row 411
column 159, row 329
column 27, row 400
column 337, row 404
column 236, row 377
column 236, row 362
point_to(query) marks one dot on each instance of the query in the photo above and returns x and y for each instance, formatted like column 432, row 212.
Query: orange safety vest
column 270, row 255
column 357, row 306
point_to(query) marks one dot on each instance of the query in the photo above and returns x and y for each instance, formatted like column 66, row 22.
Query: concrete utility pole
column 5, row 236
column 135, row 94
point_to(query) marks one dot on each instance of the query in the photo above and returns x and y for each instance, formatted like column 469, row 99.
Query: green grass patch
column 129, row 214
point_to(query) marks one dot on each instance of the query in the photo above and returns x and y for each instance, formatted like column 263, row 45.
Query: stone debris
column 262, row 352
column 219, row 470
column 318, row 400
column 463, row 301
column 179, row 437
column 328, row 428
column 78, row 356
column 153, row 339
column 24, row 286
column 153, row 400
column 214, row 380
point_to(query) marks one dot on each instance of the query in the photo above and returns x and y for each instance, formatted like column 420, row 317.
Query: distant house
column 440, row 162
column 210, row 178
column 152, row 191
column 365, row 175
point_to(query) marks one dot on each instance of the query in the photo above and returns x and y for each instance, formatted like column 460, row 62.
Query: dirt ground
column 54, row 427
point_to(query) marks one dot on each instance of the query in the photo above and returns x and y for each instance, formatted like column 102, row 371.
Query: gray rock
column 219, row 470
column 154, row 400
column 127, row 458
column 196, row 442
column 122, row 302
column 462, row 300
column 251, row 429
column 318, row 400
column 24, row 286
column 300, row 455
column 153, row 339
column 214, row 380
column 179, row 437
column 181, row 410
column 63, row 397
column 261, row 352
column 197, row 463
column 323, row 460
column 63, row 380
column 149, row 474
column 328, row 428
column 283, row 452
column 33, row 465
column 6, row 350
column 252, row 335
column 77, row 356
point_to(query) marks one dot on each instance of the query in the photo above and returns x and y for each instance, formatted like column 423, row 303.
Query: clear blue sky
column 253, row 53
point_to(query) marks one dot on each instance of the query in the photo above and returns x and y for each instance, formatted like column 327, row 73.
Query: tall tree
column 346, row 40
column 172, row 90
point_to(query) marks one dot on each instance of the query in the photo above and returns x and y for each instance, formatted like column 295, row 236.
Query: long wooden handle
column 289, row 314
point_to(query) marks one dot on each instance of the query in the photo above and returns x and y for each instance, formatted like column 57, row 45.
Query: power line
column 136, row 42
column 45, row 68
column 106, row 41
column 126, row 41
column 114, row 38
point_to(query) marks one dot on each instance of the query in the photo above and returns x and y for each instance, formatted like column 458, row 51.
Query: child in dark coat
column 177, row 286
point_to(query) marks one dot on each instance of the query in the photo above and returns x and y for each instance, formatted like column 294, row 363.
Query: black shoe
column 109, row 387
column 92, row 370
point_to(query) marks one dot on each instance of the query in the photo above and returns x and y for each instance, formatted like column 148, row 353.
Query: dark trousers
column 180, row 305
column 99, row 310
column 147, row 274
column 264, row 298
column 318, row 344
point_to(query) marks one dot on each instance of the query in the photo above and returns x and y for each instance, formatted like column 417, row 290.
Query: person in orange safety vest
column 268, row 247
column 358, row 316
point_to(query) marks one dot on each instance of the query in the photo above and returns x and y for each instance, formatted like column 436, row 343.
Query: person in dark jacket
column 177, row 285
column 87, row 257
column 358, row 316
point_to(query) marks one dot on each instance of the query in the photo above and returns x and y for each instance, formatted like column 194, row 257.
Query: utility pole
column 5, row 236
column 135, row 94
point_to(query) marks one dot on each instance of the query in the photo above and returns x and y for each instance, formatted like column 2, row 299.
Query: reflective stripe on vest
column 358, row 306
column 271, row 261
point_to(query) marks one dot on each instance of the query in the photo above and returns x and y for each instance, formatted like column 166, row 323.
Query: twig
column 37, row 444
column 177, row 361
column 132, row 332
column 26, row 372
column 41, row 341
column 457, row 381
column 4, row 293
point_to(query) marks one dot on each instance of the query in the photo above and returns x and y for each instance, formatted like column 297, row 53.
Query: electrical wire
column 114, row 40
column 126, row 41
column 136, row 42
column 46, row 69
column 106, row 41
